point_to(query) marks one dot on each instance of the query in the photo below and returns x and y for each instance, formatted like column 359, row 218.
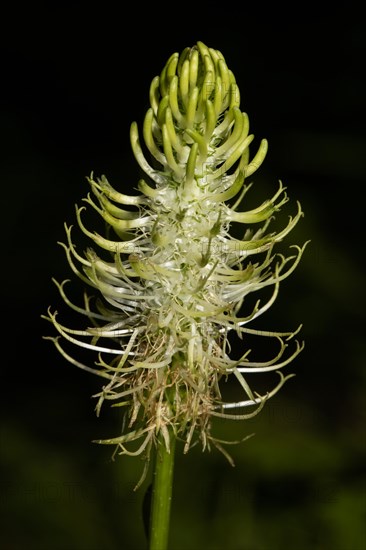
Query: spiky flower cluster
column 172, row 282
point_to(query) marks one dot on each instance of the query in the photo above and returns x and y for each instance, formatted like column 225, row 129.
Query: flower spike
column 169, row 282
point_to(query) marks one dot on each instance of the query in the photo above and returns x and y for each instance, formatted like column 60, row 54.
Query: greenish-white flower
column 169, row 280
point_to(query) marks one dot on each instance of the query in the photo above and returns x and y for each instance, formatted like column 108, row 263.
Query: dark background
column 72, row 80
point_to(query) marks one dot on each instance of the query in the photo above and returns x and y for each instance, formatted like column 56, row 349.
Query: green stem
column 161, row 494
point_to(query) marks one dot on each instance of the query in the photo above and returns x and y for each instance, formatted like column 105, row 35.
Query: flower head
column 170, row 280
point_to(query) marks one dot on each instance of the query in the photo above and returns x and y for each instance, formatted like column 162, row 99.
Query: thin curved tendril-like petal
column 65, row 332
column 276, row 366
column 258, row 400
column 73, row 361
column 83, row 311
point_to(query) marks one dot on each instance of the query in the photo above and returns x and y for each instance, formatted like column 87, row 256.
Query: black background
column 73, row 78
